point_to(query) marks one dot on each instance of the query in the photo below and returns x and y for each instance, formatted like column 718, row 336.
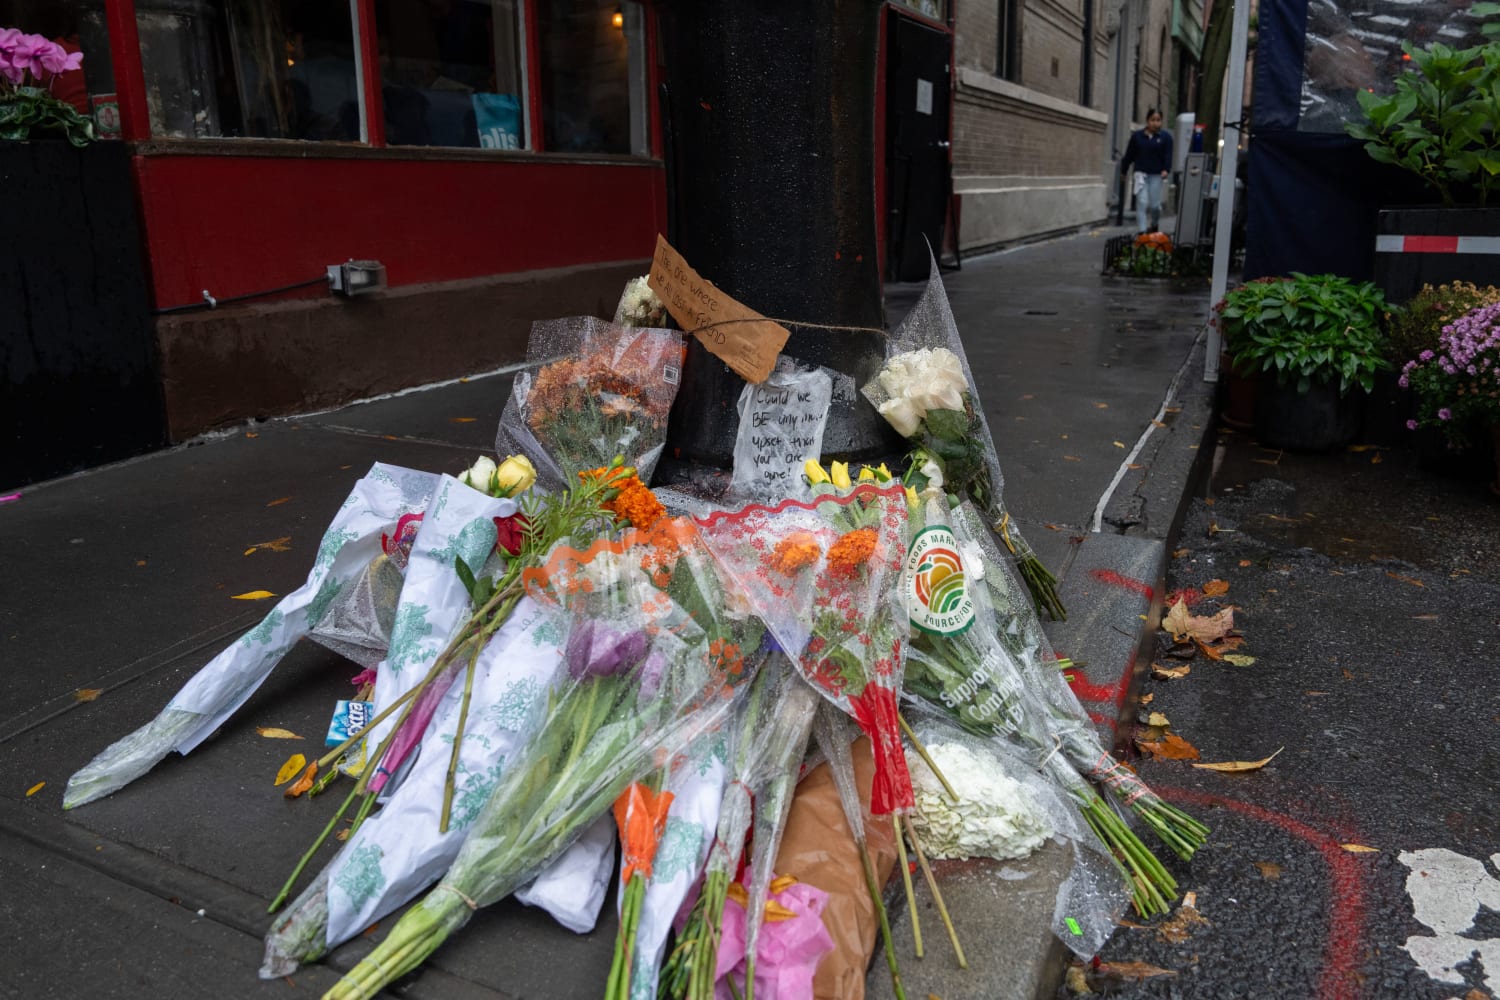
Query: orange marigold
column 636, row 504
column 795, row 551
column 852, row 551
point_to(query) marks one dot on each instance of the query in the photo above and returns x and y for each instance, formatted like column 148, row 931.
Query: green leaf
column 465, row 575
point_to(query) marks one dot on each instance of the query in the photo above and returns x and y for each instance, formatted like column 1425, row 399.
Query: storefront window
column 78, row 26
column 593, row 76
column 935, row 9
column 275, row 69
column 451, row 72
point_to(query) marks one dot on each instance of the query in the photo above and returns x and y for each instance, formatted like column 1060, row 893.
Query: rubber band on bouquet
column 1118, row 775
column 460, row 894
column 1020, row 549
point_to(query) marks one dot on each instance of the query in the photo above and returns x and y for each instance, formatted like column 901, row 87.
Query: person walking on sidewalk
column 1150, row 152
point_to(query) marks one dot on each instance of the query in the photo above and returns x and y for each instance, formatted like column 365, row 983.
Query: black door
column 917, row 167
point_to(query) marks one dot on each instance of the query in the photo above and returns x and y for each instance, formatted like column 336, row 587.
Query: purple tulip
column 652, row 672
column 595, row 649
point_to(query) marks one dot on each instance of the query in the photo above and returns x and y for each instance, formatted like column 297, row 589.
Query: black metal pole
column 770, row 107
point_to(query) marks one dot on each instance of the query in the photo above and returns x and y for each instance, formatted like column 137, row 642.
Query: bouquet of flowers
column 27, row 107
column 639, row 305
column 823, row 575
column 958, row 665
column 352, row 542
column 641, row 681
column 927, row 393
column 592, row 391
column 1458, row 385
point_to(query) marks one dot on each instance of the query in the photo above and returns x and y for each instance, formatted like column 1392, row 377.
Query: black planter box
column 1434, row 246
column 79, row 383
column 1317, row 420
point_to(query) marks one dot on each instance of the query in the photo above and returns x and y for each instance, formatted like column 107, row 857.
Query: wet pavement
column 1353, row 865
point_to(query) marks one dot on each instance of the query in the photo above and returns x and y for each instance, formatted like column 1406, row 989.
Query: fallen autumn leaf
column 1269, row 870
column 35, row 788
column 1169, row 673
column 1170, row 747
column 87, row 694
column 274, row 733
column 296, row 762
column 1237, row 766
column 1185, row 625
column 1216, row 588
column 1360, row 849
column 252, row 595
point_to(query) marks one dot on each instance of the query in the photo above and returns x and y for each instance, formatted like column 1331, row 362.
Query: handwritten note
column 739, row 336
column 781, row 426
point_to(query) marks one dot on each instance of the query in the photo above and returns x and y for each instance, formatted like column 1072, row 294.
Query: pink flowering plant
column 29, row 65
column 1458, row 385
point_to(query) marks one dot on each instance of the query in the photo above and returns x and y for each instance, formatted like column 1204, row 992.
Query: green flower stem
column 458, row 740
column 911, row 896
column 926, row 759
column 885, row 928
column 318, row 842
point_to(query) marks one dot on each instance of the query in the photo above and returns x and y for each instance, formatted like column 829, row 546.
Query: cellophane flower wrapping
column 591, row 391
column 825, row 577
column 400, row 850
column 696, row 782
column 353, row 539
column 1020, row 634
column 960, row 669
column 926, row 369
column 648, row 666
column 459, row 524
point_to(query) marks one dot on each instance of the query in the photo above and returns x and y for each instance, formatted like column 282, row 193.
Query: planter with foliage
column 1441, row 123
column 28, row 65
column 1457, row 385
column 1312, row 339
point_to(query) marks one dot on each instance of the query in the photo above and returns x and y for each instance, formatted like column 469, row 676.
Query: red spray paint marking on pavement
column 1106, row 694
column 1346, row 917
column 1119, row 580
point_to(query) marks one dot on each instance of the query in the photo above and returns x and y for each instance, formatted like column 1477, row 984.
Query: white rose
column 934, row 474
column 935, row 394
column 901, row 415
column 479, row 474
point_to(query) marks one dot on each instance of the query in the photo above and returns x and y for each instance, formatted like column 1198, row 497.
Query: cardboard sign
column 739, row 336
column 781, row 427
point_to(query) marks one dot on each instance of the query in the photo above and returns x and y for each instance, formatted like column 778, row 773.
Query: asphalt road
column 1364, row 860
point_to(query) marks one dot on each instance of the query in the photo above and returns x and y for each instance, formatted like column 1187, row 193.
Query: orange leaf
column 303, row 783
column 1360, row 849
column 1169, row 673
column 278, row 502
column 252, row 595
column 1216, row 588
column 1071, row 458
column 1244, row 563
column 461, row 420
column 282, row 544
column 1268, row 869
column 1170, row 747
column 1135, row 971
column 35, row 788
column 87, row 694
column 273, row 733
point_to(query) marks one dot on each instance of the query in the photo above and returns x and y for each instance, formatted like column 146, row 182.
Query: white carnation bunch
column 639, row 305
column 995, row 815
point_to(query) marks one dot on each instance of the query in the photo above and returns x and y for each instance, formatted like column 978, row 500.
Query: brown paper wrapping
column 818, row 848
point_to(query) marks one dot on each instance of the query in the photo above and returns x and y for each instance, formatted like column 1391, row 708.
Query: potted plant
column 1457, row 384
column 28, row 65
column 1311, row 339
column 1442, row 124
column 1410, row 330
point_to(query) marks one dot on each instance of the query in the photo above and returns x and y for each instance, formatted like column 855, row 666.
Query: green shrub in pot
column 1306, row 329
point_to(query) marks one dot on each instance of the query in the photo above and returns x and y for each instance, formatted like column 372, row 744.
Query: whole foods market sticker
column 935, row 585
column 781, row 427
column 739, row 336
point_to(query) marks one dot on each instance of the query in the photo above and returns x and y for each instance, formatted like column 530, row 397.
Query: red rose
column 510, row 532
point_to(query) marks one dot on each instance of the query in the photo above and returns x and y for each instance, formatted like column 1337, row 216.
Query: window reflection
column 78, row 26
column 278, row 69
column 451, row 72
column 593, row 76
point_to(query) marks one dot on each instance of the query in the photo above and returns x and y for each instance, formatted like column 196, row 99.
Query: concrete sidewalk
column 120, row 580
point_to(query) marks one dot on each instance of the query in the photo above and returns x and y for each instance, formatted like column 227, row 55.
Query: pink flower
column 1411, row 425
column 55, row 59
column 1445, row 414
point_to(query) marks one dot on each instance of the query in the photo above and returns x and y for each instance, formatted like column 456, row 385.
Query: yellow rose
column 515, row 475
column 814, row 472
column 839, row 473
